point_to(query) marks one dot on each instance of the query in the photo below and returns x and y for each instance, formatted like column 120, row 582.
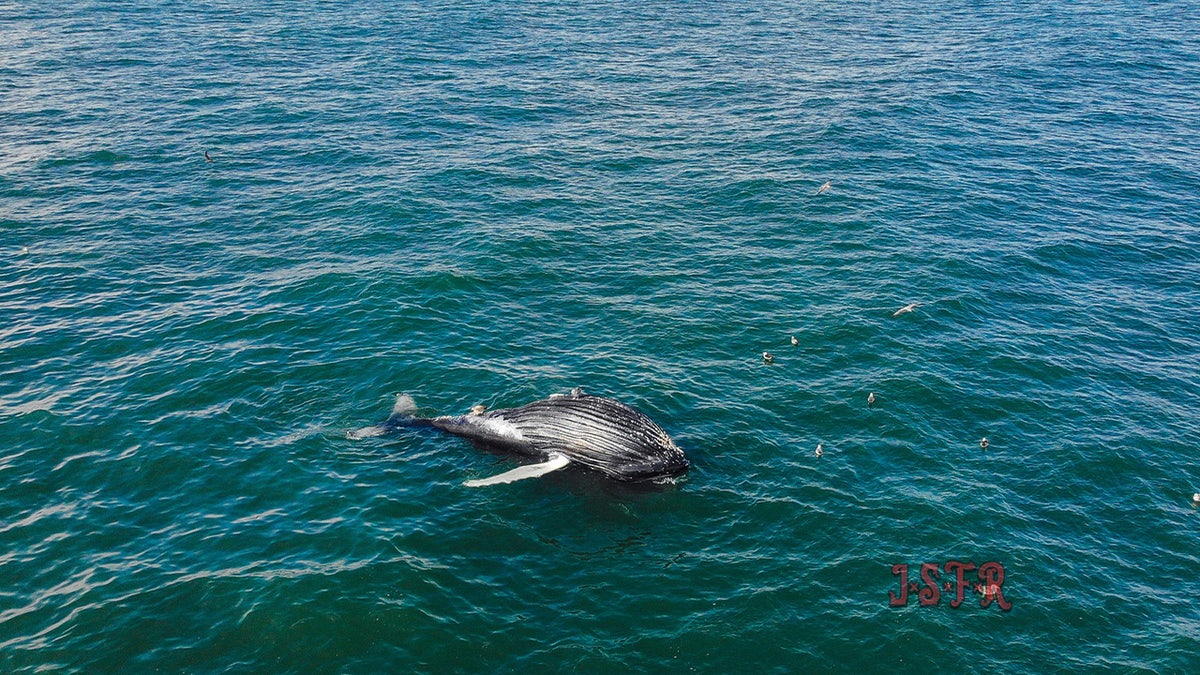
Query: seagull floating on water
column 870, row 399
column 983, row 444
column 768, row 358
column 795, row 341
column 907, row 308
column 824, row 186
column 819, row 450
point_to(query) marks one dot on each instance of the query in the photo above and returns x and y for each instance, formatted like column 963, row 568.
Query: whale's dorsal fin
column 554, row 463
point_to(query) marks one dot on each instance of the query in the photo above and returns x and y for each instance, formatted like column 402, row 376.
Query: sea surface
column 493, row 202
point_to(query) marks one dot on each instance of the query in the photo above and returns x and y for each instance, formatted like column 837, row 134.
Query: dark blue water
column 495, row 202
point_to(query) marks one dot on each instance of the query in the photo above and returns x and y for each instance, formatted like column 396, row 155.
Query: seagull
column 870, row 399
column 824, row 186
column 819, row 450
column 907, row 308
column 1196, row 499
column 768, row 358
column 207, row 156
column 795, row 341
column 478, row 409
column 983, row 444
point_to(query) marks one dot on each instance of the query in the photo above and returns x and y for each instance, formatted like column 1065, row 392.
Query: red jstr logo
column 990, row 584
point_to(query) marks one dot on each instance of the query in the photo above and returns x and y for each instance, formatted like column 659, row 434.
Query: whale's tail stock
column 402, row 415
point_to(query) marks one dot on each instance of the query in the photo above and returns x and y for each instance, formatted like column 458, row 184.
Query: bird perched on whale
column 594, row 432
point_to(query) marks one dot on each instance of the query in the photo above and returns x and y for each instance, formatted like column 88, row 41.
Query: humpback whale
column 594, row 432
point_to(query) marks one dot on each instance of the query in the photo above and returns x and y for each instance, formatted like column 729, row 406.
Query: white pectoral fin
column 555, row 463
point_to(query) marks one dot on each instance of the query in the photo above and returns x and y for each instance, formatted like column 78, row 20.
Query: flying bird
column 824, row 186
column 907, row 308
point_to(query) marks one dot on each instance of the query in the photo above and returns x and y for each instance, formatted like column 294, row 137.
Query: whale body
column 595, row 432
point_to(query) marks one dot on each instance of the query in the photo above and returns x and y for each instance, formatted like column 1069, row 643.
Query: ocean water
column 492, row 202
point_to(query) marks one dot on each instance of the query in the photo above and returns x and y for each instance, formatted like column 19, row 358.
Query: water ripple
column 492, row 202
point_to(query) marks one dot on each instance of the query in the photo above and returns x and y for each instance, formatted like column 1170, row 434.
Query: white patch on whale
column 555, row 463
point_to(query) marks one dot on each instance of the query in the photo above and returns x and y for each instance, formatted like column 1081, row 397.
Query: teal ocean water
column 493, row 202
